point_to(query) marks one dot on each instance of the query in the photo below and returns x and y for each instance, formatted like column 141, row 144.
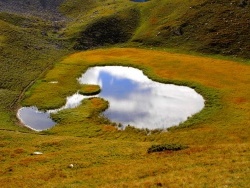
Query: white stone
column 37, row 153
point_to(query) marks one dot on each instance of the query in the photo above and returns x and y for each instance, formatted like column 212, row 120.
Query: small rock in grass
column 37, row 153
column 71, row 166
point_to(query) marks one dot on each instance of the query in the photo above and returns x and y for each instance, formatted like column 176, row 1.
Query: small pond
column 35, row 119
column 136, row 100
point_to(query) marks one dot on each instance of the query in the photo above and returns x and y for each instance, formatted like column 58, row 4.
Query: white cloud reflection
column 71, row 102
column 133, row 98
column 144, row 103
column 92, row 75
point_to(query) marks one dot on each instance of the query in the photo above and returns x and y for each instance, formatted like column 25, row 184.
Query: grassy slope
column 218, row 138
column 211, row 27
column 106, row 157
column 217, row 27
column 25, row 54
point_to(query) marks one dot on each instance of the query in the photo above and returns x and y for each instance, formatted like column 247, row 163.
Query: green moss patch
column 89, row 89
column 166, row 147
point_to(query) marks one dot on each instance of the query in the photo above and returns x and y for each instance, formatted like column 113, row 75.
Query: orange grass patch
column 211, row 72
column 230, row 79
column 89, row 89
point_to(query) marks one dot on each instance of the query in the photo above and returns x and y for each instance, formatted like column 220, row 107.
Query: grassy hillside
column 204, row 26
column 28, row 48
column 102, row 156
column 211, row 27
column 42, row 41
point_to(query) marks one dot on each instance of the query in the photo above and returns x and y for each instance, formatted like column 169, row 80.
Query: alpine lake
column 133, row 98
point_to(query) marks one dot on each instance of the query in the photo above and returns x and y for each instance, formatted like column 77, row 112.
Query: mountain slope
column 40, row 42
column 27, row 48
column 213, row 27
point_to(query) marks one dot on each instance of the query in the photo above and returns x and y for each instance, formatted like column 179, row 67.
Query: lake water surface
column 136, row 100
column 35, row 119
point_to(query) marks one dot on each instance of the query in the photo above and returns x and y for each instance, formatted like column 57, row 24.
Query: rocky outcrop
column 47, row 9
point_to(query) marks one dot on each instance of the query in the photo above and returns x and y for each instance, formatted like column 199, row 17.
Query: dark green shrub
column 166, row 147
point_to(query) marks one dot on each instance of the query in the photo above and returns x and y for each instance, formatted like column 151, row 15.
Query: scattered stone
column 37, row 153
column 178, row 31
column 43, row 33
column 243, row 3
column 71, row 166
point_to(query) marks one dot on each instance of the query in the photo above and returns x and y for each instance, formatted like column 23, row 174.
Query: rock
column 43, row 33
column 71, row 166
column 37, row 153
column 243, row 3
column 178, row 31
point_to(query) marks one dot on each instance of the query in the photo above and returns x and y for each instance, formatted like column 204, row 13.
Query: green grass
column 218, row 149
column 206, row 27
column 88, row 89
column 25, row 55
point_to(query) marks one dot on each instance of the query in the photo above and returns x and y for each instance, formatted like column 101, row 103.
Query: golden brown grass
column 229, row 79
column 219, row 148
column 89, row 89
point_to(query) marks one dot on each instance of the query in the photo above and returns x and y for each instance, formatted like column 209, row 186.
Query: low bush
column 166, row 147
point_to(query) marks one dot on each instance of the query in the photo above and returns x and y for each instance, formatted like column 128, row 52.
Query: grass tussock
column 88, row 89
column 166, row 147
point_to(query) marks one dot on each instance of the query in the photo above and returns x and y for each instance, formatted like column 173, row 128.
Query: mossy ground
column 89, row 89
column 25, row 55
column 104, row 156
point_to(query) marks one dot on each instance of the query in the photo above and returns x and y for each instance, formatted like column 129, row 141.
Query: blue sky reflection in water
column 35, row 119
column 133, row 99
column 136, row 100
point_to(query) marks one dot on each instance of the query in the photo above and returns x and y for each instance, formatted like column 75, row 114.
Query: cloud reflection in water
column 138, row 101
column 133, row 98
